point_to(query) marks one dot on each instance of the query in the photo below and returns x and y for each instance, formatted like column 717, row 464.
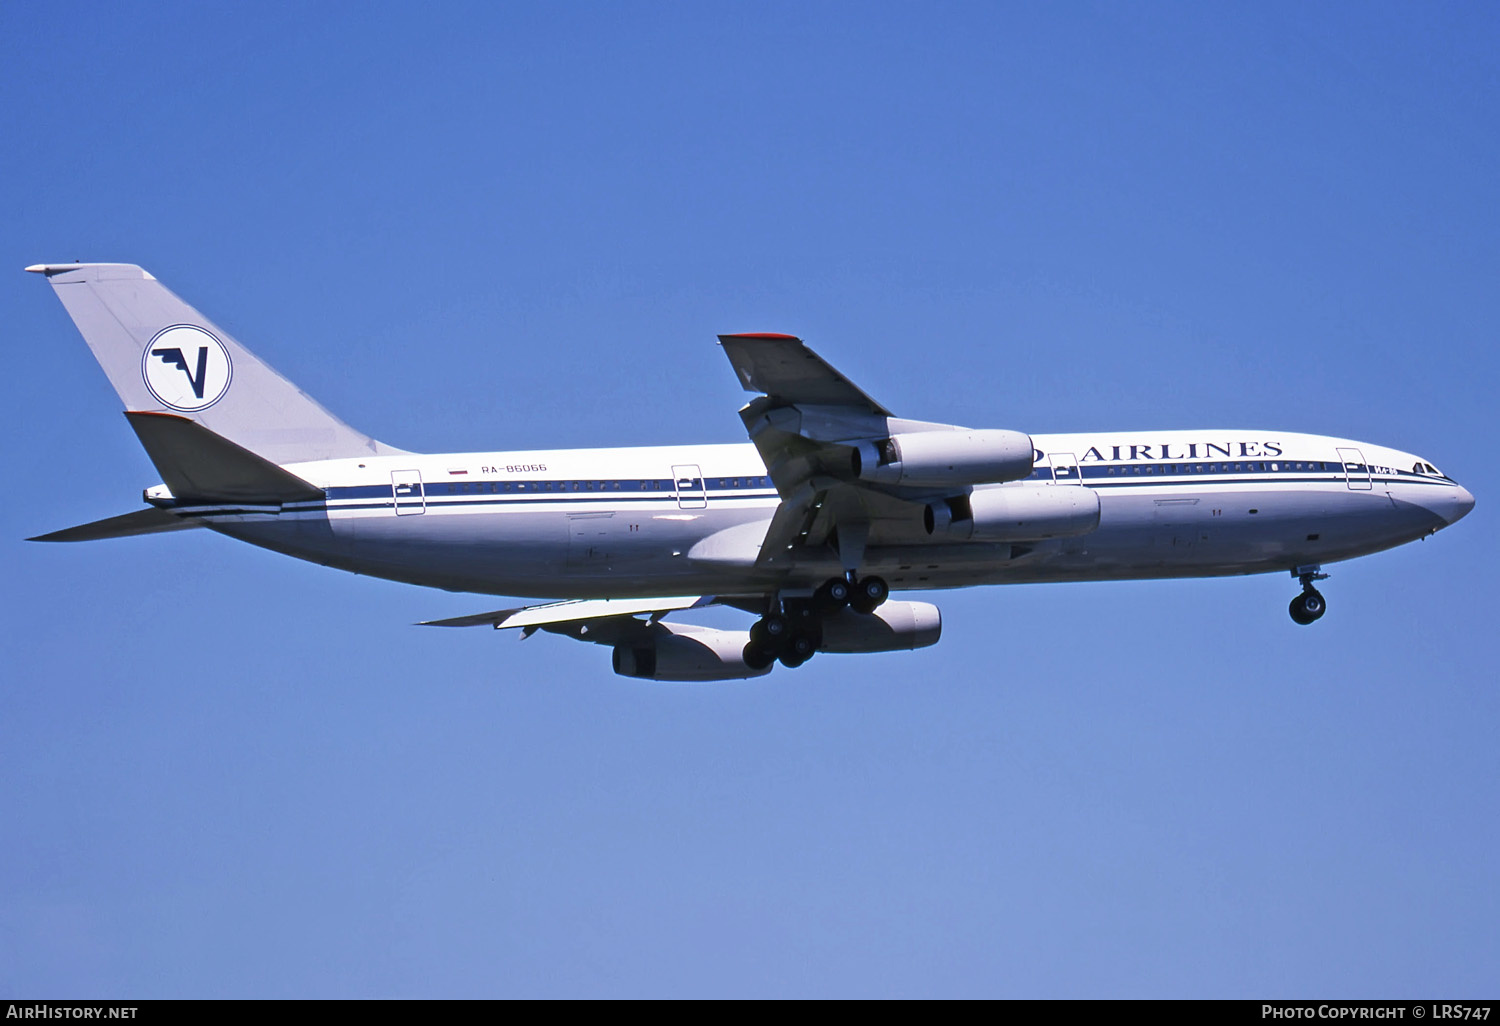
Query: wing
column 783, row 367
column 812, row 427
column 651, row 648
column 604, row 621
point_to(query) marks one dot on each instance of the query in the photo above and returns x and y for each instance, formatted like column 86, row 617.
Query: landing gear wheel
column 801, row 646
column 756, row 657
column 769, row 633
column 869, row 593
column 833, row 595
column 1308, row 606
column 1313, row 603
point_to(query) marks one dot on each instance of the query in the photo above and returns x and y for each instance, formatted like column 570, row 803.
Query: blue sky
column 485, row 226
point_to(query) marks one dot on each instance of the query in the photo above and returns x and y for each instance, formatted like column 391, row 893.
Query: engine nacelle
column 893, row 626
column 1015, row 513
column 938, row 458
column 680, row 651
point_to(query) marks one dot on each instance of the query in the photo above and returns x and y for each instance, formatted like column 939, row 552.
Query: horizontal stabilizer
column 200, row 466
column 142, row 521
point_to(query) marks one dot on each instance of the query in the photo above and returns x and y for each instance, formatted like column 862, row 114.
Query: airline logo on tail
column 186, row 368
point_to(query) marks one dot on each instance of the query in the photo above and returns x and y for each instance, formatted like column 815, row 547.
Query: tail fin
column 163, row 356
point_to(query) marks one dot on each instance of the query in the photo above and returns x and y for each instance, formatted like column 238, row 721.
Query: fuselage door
column 406, row 490
column 1356, row 470
column 1065, row 468
column 692, row 492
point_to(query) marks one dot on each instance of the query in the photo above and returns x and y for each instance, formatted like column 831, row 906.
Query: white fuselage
column 673, row 520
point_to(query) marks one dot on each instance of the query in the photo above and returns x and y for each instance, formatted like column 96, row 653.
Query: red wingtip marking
column 761, row 334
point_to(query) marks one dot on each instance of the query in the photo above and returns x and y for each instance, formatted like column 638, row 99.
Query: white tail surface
column 161, row 355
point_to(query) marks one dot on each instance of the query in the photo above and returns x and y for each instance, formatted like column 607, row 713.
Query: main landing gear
column 792, row 629
column 1310, row 605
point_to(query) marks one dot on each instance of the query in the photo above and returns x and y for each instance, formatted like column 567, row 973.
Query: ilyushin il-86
column 833, row 503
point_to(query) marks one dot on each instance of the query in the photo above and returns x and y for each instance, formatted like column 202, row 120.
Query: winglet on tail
column 162, row 355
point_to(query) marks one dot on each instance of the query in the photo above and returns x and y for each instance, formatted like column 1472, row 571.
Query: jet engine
column 938, row 458
column 679, row 651
column 1015, row 513
column 892, row 627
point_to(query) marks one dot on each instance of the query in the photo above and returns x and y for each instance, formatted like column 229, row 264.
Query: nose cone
column 1454, row 504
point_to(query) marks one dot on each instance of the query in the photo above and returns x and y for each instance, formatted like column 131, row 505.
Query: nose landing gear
column 1310, row 605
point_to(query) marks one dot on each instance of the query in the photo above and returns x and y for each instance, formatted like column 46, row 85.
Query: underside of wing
column 648, row 648
column 561, row 616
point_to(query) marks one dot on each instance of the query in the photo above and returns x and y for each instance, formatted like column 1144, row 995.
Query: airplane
column 834, row 503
